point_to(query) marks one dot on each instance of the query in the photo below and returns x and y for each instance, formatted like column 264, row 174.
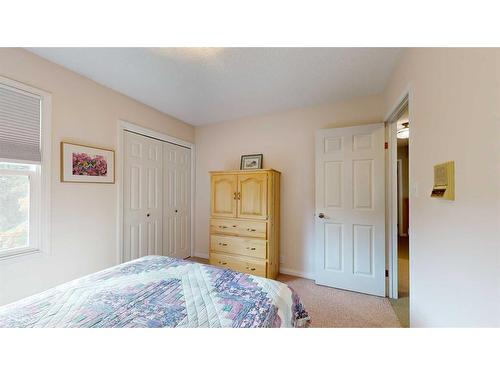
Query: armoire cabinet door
column 224, row 195
column 252, row 196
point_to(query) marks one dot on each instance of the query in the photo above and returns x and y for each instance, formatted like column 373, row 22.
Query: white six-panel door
column 142, row 197
column 176, row 202
column 156, row 198
column 350, row 208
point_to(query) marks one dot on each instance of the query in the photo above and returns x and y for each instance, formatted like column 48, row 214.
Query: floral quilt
column 156, row 291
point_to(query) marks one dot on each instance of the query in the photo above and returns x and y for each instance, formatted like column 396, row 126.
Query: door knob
column 321, row 215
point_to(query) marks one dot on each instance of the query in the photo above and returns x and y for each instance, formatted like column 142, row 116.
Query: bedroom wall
column 287, row 142
column 454, row 245
column 84, row 216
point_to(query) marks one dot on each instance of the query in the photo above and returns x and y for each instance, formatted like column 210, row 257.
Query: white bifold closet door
column 143, row 193
column 176, row 201
column 156, row 198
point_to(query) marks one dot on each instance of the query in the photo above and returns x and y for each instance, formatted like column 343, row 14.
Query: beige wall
column 454, row 116
column 287, row 142
column 454, row 252
column 84, row 216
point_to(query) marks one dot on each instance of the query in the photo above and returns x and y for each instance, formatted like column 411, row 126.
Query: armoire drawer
column 256, row 248
column 244, row 228
column 254, row 267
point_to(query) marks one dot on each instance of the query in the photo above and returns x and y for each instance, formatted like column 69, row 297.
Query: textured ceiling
column 209, row 85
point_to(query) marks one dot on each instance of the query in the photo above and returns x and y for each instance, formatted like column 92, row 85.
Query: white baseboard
column 289, row 271
column 201, row 254
column 283, row 270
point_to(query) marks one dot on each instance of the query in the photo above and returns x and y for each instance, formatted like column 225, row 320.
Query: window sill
column 14, row 253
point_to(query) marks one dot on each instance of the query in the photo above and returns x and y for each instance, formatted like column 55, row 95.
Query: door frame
column 405, row 99
column 124, row 125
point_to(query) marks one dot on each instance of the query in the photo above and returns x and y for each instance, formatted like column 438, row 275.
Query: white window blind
column 19, row 125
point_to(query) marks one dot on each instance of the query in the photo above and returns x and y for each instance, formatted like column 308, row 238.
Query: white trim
column 201, row 254
column 284, row 271
column 393, row 211
column 406, row 95
column 43, row 242
column 126, row 125
column 118, row 181
column 292, row 272
column 14, row 253
column 45, row 179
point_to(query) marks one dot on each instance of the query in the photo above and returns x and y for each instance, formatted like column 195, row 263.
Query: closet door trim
column 120, row 149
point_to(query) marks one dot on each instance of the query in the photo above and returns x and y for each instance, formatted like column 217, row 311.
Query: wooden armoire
column 244, row 222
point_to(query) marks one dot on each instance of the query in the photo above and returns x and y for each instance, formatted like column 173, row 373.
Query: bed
column 157, row 291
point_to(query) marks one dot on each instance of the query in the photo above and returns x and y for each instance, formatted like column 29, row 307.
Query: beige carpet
column 329, row 307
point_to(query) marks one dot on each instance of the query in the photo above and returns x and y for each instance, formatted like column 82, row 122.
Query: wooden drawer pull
column 251, row 268
column 222, row 244
column 251, row 248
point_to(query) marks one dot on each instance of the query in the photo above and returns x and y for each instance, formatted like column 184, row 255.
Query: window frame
column 39, row 213
column 33, row 176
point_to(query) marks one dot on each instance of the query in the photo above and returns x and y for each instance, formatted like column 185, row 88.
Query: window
column 24, row 169
column 19, row 198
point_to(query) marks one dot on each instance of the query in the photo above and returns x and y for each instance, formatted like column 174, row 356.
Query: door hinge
column 386, row 145
column 386, row 273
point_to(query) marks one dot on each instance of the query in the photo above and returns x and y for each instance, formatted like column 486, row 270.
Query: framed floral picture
column 251, row 161
column 80, row 163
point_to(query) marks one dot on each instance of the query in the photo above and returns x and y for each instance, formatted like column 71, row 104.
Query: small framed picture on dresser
column 251, row 162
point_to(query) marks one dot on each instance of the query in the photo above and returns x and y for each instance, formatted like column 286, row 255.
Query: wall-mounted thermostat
column 444, row 181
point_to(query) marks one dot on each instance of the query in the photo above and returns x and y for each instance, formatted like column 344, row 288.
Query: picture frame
column 250, row 162
column 87, row 164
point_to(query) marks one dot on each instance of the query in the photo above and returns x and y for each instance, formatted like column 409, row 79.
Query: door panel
column 142, row 208
column 333, row 247
column 177, row 208
column 252, row 196
column 362, row 171
column 350, row 181
column 224, row 188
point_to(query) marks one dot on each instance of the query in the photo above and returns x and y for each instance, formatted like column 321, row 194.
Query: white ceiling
column 208, row 85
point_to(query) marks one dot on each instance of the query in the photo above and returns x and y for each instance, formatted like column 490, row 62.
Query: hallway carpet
column 401, row 305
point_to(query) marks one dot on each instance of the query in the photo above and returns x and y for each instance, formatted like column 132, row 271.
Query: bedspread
column 157, row 291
